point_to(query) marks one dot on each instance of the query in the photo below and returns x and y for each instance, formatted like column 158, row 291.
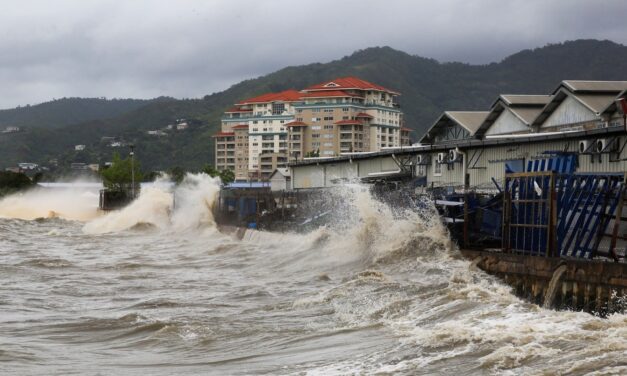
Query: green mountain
column 65, row 111
column 428, row 87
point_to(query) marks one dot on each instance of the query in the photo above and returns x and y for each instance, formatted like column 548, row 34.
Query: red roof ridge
column 349, row 82
column 329, row 93
column 290, row 95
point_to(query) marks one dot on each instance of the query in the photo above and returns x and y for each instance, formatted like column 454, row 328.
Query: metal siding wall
column 308, row 176
column 340, row 171
column 313, row 176
column 367, row 166
column 570, row 111
column 507, row 122
column 388, row 164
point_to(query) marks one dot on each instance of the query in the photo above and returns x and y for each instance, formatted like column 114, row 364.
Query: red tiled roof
column 349, row 83
column 296, row 124
column 238, row 109
column 223, row 134
column 348, row 122
column 241, row 126
column 329, row 93
column 364, row 115
column 285, row 96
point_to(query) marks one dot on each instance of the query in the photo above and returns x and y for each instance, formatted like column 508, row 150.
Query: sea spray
column 70, row 203
column 152, row 207
column 187, row 207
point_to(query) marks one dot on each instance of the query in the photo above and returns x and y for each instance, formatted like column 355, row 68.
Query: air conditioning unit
column 441, row 157
column 453, row 155
column 422, row 159
column 584, row 146
column 600, row 145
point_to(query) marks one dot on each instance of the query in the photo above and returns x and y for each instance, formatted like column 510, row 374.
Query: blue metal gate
column 546, row 213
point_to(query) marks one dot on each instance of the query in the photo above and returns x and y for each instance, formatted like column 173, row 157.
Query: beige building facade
column 346, row 115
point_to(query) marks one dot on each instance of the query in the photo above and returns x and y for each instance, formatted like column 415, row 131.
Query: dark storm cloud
column 191, row 48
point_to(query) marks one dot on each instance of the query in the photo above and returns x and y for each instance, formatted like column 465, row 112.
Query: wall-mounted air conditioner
column 584, row 146
column 423, row 159
column 600, row 145
column 453, row 155
column 441, row 157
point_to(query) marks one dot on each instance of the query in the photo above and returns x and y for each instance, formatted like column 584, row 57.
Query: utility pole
column 132, row 171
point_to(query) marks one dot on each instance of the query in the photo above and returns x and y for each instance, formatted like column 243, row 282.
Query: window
column 328, row 135
column 299, row 119
column 328, row 126
column 315, row 127
column 315, row 144
column 315, row 135
column 255, row 122
column 437, row 168
column 328, row 110
column 328, row 152
column 278, row 108
column 328, row 118
column 328, row 144
column 345, row 109
column 315, row 110
column 315, row 119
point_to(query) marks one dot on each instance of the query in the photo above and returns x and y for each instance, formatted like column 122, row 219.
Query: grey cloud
column 144, row 48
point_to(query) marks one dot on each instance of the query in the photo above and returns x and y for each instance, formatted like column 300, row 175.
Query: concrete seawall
column 593, row 286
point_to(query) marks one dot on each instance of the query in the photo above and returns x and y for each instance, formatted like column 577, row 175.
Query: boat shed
column 475, row 148
column 280, row 180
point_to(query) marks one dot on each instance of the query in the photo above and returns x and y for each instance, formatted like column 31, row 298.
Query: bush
column 119, row 176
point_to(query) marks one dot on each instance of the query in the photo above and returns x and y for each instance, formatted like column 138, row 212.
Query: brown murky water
column 154, row 291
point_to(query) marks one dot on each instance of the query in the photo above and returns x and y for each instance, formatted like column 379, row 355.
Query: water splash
column 80, row 204
column 187, row 207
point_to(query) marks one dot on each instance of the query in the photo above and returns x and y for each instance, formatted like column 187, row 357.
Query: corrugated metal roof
column 471, row 120
column 598, row 86
column 525, row 99
column 595, row 102
column 526, row 114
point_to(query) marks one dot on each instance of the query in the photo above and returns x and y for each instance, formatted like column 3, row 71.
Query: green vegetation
column 66, row 111
column 13, row 181
column 427, row 86
column 119, row 176
column 226, row 176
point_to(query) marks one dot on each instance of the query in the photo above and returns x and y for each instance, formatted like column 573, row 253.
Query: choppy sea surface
column 157, row 290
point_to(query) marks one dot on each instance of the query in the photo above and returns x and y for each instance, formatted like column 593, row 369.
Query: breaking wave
column 377, row 290
column 188, row 206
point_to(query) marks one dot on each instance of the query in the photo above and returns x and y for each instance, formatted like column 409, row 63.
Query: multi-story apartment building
column 345, row 115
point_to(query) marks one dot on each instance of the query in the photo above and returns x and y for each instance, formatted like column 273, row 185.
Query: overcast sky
column 143, row 49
